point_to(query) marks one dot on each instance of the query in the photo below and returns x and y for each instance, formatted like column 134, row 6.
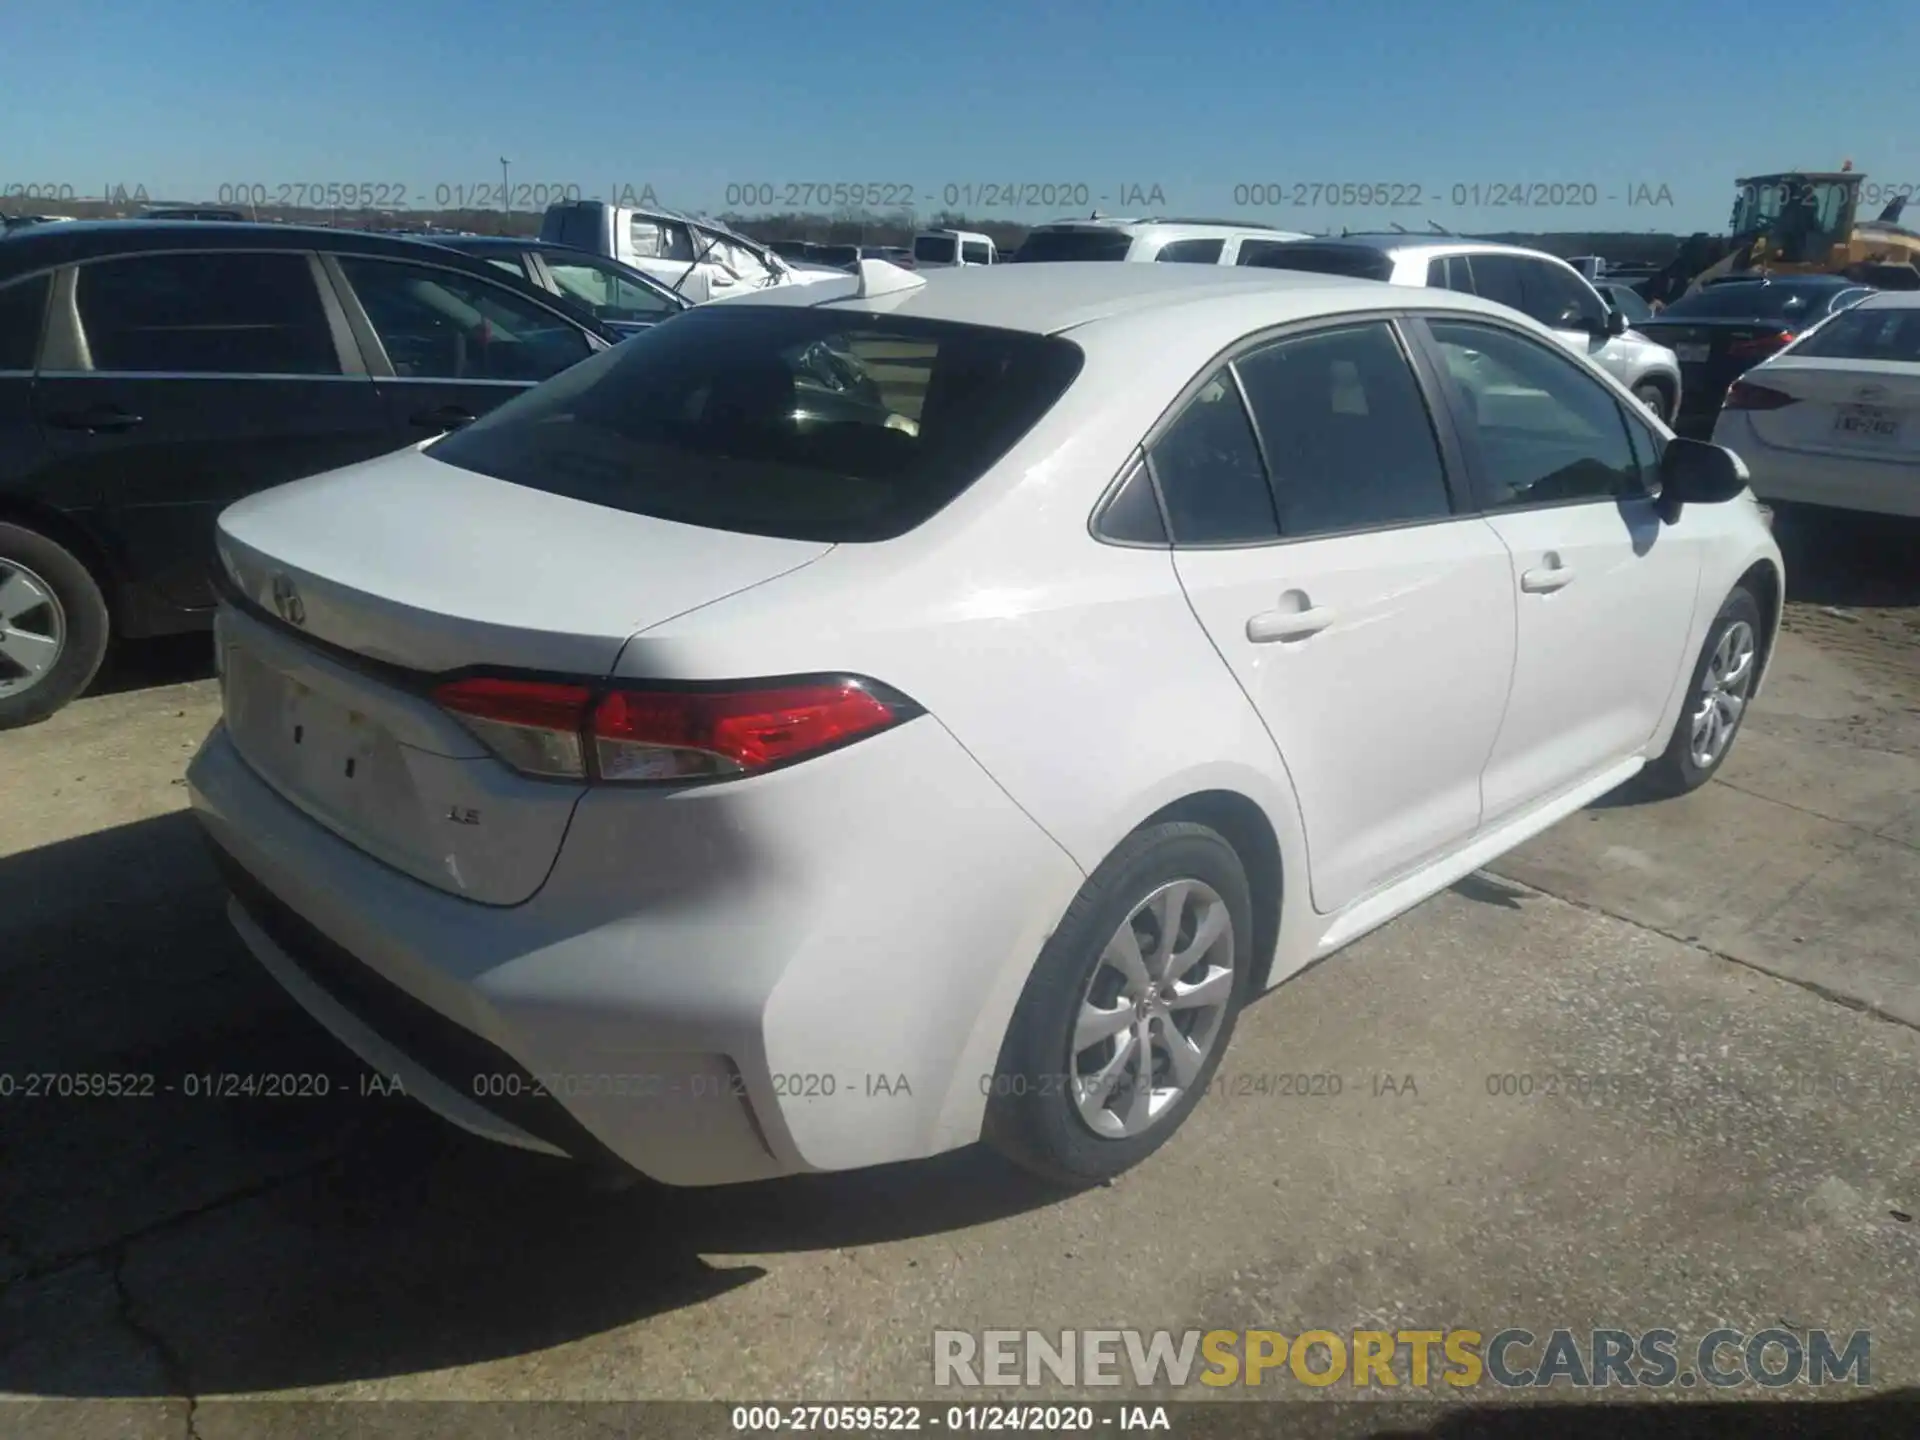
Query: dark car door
column 447, row 345
column 173, row 383
column 23, row 303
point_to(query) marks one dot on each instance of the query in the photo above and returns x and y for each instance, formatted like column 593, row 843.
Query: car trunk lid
column 357, row 588
column 1854, row 408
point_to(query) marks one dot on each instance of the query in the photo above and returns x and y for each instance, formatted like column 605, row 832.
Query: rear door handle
column 447, row 417
column 1546, row 579
column 1272, row 625
column 97, row 420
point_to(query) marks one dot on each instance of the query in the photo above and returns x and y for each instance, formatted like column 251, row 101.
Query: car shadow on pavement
column 165, row 1237
column 148, row 664
column 1891, row 1413
column 1844, row 558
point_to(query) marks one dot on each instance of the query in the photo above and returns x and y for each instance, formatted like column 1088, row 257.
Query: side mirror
column 1696, row 472
column 1616, row 322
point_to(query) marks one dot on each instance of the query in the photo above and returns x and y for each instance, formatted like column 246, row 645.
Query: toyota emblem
column 287, row 602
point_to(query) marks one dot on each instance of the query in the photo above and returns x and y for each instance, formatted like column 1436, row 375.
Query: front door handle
column 1547, row 578
column 446, row 417
column 1272, row 625
column 97, row 420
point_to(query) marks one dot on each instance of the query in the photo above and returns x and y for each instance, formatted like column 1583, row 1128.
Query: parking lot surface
column 1659, row 1068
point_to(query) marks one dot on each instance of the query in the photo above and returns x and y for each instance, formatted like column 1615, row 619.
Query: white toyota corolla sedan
column 857, row 719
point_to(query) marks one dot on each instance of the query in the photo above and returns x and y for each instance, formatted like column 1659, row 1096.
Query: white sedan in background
column 847, row 776
column 1834, row 419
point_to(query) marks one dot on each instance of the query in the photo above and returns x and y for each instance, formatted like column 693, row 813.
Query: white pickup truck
column 701, row 259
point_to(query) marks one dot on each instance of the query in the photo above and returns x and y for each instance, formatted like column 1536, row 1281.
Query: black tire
column 1676, row 772
column 83, row 612
column 1031, row 1115
column 1653, row 395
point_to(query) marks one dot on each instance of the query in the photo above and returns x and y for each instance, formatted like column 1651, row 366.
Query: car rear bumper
column 1881, row 487
column 808, row 970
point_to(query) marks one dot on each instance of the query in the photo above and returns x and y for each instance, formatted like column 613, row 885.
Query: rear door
column 446, row 346
column 1317, row 537
column 176, row 382
column 1605, row 591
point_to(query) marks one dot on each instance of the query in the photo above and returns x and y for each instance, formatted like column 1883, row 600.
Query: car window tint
column 1628, row 302
column 512, row 267
column 934, row 249
column 1133, row 514
column 207, row 313
column 1210, row 473
column 659, row 239
column 976, row 252
column 1346, row 431
column 1191, row 252
column 774, row 420
column 444, row 325
column 610, row 294
column 1359, row 262
column 23, row 308
column 1497, row 278
column 1557, row 297
column 1545, row 431
column 1647, row 448
column 1892, row 333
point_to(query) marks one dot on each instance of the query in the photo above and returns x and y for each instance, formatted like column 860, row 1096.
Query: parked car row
column 638, row 730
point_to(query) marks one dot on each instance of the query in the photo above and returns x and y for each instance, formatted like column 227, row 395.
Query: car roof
column 1890, row 300
column 1136, row 223
column 1789, row 282
column 1398, row 245
column 1049, row 299
column 38, row 247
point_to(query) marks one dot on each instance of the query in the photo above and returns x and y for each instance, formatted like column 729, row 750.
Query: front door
column 1368, row 622
column 196, row 378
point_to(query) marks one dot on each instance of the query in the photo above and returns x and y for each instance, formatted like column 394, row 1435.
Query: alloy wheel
column 33, row 628
column 1152, row 1009
column 1723, row 696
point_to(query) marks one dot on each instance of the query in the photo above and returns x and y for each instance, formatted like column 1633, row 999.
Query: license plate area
column 1693, row 353
column 1872, row 423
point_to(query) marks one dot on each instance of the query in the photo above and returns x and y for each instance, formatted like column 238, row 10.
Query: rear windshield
column 1074, row 245
column 935, row 248
column 780, row 421
column 1749, row 301
column 1892, row 333
column 1358, row 262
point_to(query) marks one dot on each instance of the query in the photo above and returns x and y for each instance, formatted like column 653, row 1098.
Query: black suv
column 152, row 373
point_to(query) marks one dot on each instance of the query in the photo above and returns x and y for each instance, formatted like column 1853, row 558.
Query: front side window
column 23, row 309
column 443, row 325
column 660, row 240
column 1545, row 431
column 1558, row 298
column 1192, row 252
column 233, row 313
column 1210, row 472
column 610, row 294
column 1629, row 304
column 773, row 420
column 976, row 252
column 1346, row 432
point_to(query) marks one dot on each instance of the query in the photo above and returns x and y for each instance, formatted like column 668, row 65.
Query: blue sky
column 187, row 96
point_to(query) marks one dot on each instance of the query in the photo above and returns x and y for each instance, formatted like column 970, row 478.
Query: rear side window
column 1875, row 334
column 935, row 249
column 1346, row 431
column 1192, row 252
column 23, row 308
column 770, row 420
column 1451, row 272
column 209, row 313
column 1074, row 245
column 976, row 252
column 1210, row 472
column 1357, row 262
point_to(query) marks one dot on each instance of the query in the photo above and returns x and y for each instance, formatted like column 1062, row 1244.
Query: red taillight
column 638, row 734
column 1760, row 344
column 1745, row 395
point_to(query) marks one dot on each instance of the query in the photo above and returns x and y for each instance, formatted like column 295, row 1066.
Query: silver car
column 1530, row 281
